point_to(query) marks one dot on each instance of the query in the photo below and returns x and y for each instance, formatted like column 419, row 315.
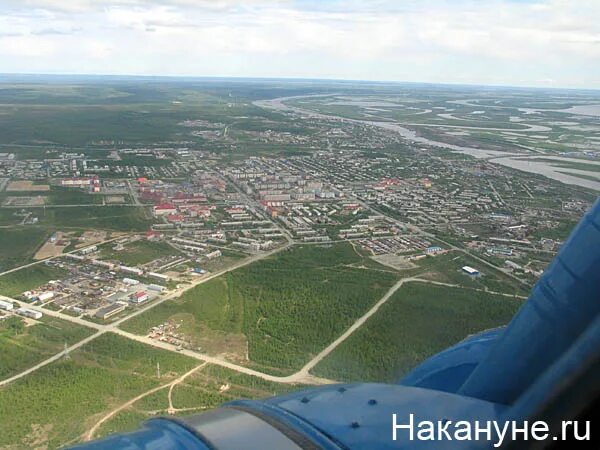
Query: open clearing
column 54, row 246
column 25, row 201
column 14, row 283
column 138, row 252
column 26, row 186
column 288, row 307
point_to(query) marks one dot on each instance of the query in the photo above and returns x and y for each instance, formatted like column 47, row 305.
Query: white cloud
column 496, row 41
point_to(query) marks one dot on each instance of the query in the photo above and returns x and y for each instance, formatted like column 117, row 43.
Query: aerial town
column 257, row 236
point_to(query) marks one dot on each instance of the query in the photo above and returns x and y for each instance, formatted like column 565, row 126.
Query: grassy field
column 8, row 217
column 138, row 252
column 417, row 322
column 118, row 218
column 24, row 346
column 57, row 404
column 140, row 112
column 287, row 307
column 447, row 269
column 17, row 246
column 57, row 195
column 14, row 283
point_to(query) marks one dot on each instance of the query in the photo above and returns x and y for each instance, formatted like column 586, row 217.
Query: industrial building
column 471, row 271
column 88, row 250
column 138, row 297
column 29, row 313
column 6, row 306
column 110, row 310
column 133, row 270
column 159, row 276
column 42, row 297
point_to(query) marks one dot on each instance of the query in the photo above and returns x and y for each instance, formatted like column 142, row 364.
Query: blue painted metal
column 154, row 434
column 544, row 364
column 562, row 304
column 448, row 370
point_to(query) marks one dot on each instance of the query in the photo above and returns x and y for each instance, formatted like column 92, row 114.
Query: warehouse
column 45, row 296
column 471, row 271
column 159, row 276
column 156, row 288
column 133, row 270
column 88, row 250
column 6, row 306
column 110, row 310
column 29, row 313
column 139, row 297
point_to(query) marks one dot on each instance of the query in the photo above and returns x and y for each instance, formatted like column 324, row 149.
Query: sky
column 546, row 43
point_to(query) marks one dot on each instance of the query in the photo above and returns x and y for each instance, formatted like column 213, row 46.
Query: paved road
column 257, row 206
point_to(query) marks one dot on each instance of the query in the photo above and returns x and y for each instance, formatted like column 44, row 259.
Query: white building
column 6, row 306
column 159, row 276
column 138, row 297
column 45, row 296
column 29, row 313
column 156, row 287
column 88, row 250
column 133, row 270
column 214, row 254
column 471, row 271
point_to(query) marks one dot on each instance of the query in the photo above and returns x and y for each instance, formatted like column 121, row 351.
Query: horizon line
column 287, row 78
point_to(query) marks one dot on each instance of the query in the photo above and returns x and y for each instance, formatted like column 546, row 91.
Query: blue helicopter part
column 544, row 365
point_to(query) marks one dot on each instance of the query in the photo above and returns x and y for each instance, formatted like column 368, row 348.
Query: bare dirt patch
column 395, row 261
column 25, row 201
column 54, row 246
column 91, row 237
column 114, row 199
column 24, row 185
column 183, row 329
column 39, row 436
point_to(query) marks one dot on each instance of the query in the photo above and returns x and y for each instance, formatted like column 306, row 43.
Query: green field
column 17, row 246
column 24, row 346
column 446, row 268
column 418, row 321
column 140, row 112
column 138, row 252
column 287, row 307
column 55, row 405
column 118, row 218
column 57, row 195
column 14, row 283
column 8, row 217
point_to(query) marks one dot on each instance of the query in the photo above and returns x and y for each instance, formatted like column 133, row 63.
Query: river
column 515, row 160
